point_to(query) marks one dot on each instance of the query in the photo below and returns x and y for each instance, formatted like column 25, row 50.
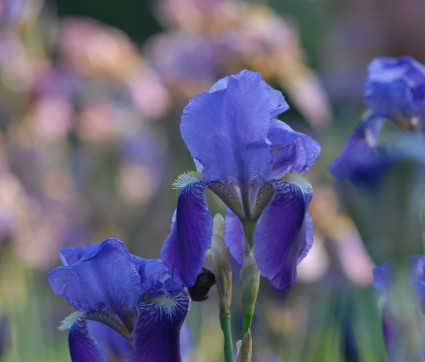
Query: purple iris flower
column 133, row 296
column 253, row 162
column 382, row 279
column 395, row 89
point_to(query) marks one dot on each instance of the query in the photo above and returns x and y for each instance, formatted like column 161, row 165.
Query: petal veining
column 280, row 234
column 156, row 336
column 82, row 346
column 184, row 249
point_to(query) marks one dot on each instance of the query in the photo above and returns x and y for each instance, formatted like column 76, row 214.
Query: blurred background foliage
column 91, row 94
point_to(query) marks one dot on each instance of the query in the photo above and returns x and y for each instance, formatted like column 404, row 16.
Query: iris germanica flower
column 254, row 163
column 395, row 91
column 133, row 296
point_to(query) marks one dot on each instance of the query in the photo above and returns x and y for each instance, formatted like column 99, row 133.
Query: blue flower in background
column 395, row 89
column 360, row 151
column 364, row 161
column 253, row 162
column 133, row 296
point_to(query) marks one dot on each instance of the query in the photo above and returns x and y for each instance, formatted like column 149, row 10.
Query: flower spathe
column 133, row 296
column 253, row 162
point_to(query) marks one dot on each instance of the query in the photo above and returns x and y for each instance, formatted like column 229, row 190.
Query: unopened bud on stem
column 218, row 255
column 250, row 282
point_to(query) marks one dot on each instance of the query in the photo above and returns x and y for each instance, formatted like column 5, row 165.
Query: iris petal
column 280, row 233
column 72, row 255
column 296, row 152
column 307, row 238
column 184, row 249
column 226, row 129
column 395, row 87
column 105, row 279
column 82, row 346
column 358, row 154
column 233, row 235
column 156, row 336
column 277, row 103
column 152, row 271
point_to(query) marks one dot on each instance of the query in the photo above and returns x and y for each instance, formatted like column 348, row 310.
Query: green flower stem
column 228, row 342
column 248, row 235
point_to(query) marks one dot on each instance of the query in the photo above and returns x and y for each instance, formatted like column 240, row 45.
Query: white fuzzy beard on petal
column 167, row 304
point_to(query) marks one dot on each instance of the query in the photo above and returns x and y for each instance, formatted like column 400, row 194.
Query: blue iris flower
column 394, row 90
column 253, row 162
column 133, row 296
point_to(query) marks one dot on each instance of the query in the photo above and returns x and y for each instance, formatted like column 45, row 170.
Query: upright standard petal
column 105, row 280
column 296, row 153
column 280, row 234
column 82, row 346
column 156, row 336
column 72, row 255
column 277, row 103
column 226, row 129
column 395, row 88
column 185, row 247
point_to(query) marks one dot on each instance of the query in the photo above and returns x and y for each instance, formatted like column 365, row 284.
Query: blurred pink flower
column 191, row 15
column 54, row 117
column 97, row 50
column 148, row 92
column 103, row 120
